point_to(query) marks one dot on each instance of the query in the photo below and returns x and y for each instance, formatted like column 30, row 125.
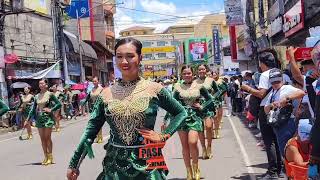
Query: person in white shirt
column 267, row 61
column 279, row 100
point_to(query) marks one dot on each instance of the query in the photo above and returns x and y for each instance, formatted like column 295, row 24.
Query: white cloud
column 122, row 21
column 157, row 6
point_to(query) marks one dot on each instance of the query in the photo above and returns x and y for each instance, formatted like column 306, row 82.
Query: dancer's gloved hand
column 72, row 174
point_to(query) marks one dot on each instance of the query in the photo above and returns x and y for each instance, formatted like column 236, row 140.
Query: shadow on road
column 32, row 164
column 262, row 166
column 244, row 176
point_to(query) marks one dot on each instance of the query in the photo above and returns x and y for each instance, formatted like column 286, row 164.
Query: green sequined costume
column 222, row 87
column 126, row 107
column 3, row 108
column 92, row 96
column 187, row 95
column 25, row 104
column 212, row 88
column 41, row 101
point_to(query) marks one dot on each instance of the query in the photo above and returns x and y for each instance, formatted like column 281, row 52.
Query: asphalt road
column 236, row 155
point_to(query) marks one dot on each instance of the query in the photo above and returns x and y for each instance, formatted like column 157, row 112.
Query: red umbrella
column 10, row 58
column 78, row 87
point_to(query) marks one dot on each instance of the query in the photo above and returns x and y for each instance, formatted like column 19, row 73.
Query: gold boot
column 189, row 173
column 209, row 152
column 99, row 137
column 50, row 159
column 204, row 153
column 45, row 159
column 196, row 171
column 29, row 136
column 217, row 133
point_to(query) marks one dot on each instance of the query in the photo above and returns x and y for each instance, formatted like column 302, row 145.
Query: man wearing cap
column 279, row 100
column 267, row 61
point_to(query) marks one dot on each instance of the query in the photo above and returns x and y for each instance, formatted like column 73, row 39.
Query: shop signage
column 216, row 47
column 275, row 26
column 276, row 10
column 197, row 49
column 233, row 11
column 293, row 19
column 158, row 49
column 303, row 54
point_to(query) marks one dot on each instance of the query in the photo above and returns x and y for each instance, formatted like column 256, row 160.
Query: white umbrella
column 19, row 85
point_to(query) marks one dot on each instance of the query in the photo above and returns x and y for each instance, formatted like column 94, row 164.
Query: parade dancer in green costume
column 130, row 108
column 24, row 107
column 45, row 103
column 189, row 94
column 212, row 87
column 91, row 98
column 222, row 87
column 3, row 108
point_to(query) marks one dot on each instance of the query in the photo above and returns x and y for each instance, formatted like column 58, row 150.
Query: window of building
column 146, row 44
column 147, row 56
column 175, row 43
column 161, row 43
column 162, row 55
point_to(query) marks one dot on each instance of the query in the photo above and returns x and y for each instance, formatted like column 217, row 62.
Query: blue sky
column 165, row 12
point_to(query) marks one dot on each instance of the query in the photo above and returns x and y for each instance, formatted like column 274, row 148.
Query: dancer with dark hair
column 24, row 107
column 189, row 94
column 130, row 108
column 91, row 98
column 212, row 87
column 45, row 103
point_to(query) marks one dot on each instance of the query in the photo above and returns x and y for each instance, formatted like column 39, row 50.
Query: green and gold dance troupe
column 130, row 109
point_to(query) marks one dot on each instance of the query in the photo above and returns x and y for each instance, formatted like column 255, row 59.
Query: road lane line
column 243, row 150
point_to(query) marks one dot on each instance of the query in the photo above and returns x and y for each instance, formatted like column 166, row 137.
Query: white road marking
column 243, row 151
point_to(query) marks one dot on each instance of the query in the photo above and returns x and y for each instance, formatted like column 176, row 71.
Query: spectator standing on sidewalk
column 267, row 61
column 279, row 101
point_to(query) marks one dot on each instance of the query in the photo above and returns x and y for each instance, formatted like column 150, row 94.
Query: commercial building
column 97, row 31
column 162, row 52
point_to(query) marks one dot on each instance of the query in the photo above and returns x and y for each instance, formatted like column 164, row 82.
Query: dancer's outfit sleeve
column 176, row 110
column 57, row 104
column 33, row 109
column 3, row 108
column 209, row 100
column 95, row 123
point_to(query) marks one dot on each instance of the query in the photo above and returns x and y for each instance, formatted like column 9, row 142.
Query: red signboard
column 152, row 153
column 233, row 43
column 302, row 54
column 294, row 19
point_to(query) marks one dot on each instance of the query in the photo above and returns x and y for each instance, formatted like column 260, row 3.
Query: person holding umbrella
column 45, row 103
column 24, row 107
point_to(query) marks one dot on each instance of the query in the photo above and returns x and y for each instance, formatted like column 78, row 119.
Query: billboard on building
column 158, row 49
column 196, row 50
column 37, row 5
column 233, row 11
column 216, row 46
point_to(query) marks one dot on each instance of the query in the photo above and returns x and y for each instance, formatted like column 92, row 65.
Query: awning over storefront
column 53, row 71
column 86, row 49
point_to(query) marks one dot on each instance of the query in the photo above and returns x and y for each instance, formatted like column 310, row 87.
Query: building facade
column 162, row 52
